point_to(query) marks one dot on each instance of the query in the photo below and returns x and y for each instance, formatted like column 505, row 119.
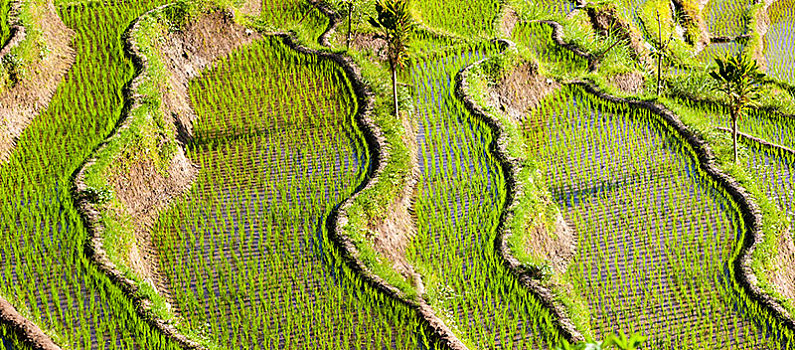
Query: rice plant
column 246, row 255
column 43, row 265
column 8, row 340
column 775, row 170
column 468, row 18
column 726, row 17
column 656, row 236
column 556, row 7
column 5, row 25
column 296, row 15
column 715, row 50
column 460, row 197
column 537, row 37
column 780, row 41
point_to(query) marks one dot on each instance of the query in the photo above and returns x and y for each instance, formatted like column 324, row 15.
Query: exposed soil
column 783, row 275
column 628, row 82
column 508, row 21
column 367, row 42
column 20, row 104
column 605, row 20
column 521, row 90
column 143, row 190
column 557, row 247
column 393, row 235
column 27, row 332
column 251, row 8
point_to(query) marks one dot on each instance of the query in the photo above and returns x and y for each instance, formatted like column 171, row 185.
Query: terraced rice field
column 780, row 41
column 726, row 17
column 776, row 169
column 537, row 37
column 458, row 204
column 246, row 259
column 462, row 17
column 655, row 237
column 44, row 269
column 558, row 7
column 247, row 251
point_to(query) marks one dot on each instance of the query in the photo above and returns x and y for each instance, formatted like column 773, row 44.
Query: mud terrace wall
column 143, row 191
column 18, row 107
column 20, row 103
column 379, row 149
column 511, row 167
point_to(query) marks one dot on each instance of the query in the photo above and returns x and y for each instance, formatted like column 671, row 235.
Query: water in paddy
column 6, row 344
column 776, row 172
column 459, row 199
column 780, row 41
column 726, row 17
column 655, row 235
column 44, row 270
column 246, row 253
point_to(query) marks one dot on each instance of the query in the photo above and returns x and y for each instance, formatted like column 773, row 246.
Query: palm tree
column 397, row 27
column 739, row 78
column 660, row 49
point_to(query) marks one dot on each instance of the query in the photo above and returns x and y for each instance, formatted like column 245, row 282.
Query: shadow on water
column 7, row 344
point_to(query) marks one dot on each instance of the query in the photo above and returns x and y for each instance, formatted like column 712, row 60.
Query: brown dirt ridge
column 511, row 168
column 20, row 104
column 399, row 225
column 143, row 190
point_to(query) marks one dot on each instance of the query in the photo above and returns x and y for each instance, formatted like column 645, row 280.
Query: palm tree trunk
column 350, row 25
column 659, row 53
column 394, row 89
column 734, row 129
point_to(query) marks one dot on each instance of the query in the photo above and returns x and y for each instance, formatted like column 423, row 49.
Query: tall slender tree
column 739, row 79
column 397, row 27
column 660, row 48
